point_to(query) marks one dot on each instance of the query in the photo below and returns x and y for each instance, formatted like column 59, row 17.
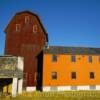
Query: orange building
column 71, row 68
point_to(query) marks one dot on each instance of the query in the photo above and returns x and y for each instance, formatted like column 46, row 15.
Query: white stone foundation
column 97, row 87
column 83, row 88
column 30, row 89
column 69, row 88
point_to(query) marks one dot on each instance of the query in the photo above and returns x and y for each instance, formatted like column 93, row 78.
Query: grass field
column 69, row 95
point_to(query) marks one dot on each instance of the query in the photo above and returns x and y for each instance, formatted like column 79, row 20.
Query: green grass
column 68, row 95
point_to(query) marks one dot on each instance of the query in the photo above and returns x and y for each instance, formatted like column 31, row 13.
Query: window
column 35, row 28
column 73, row 87
column 90, row 59
column 92, row 87
column 26, row 19
column 73, row 75
column 91, row 75
column 53, row 88
column 54, row 75
column 18, row 27
column 99, row 59
column 54, row 58
column 73, row 58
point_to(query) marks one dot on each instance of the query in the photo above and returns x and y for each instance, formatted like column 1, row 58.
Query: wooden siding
column 25, row 43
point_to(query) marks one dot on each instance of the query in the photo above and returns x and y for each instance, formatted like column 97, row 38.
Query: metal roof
column 71, row 50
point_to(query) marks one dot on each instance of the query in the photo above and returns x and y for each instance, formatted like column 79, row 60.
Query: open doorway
column 5, row 85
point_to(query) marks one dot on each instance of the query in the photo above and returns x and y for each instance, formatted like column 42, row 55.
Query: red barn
column 26, row 37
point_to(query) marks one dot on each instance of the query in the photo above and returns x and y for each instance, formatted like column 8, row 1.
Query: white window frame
column 35, row 28
column 27, row 19
column 18, row 27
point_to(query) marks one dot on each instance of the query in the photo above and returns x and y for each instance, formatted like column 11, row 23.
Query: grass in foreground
column 68, row 95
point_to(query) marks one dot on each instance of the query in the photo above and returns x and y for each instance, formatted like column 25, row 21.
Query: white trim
column 69, row 88
column 30, row 89
column 14, row 87
column 20, row 86
column 20, row 65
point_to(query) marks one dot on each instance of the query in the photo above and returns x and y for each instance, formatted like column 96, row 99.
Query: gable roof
column 71, row 50
column 18, row 13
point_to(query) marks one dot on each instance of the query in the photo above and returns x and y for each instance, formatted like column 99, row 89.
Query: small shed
column 11, row 75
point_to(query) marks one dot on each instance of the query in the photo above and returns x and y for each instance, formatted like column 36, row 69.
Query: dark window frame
column 73, row 75
column 54, row 75
column 92, row 75
column 90, row 59
column 54, row 58
column 73, row 58
column 99, row 58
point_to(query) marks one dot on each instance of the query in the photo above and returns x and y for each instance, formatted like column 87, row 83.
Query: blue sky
column 68, row 22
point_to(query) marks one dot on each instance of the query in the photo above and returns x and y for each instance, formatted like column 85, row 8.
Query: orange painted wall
column 64, row 66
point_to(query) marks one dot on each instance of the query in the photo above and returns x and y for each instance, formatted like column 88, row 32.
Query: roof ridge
column 73, row 47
